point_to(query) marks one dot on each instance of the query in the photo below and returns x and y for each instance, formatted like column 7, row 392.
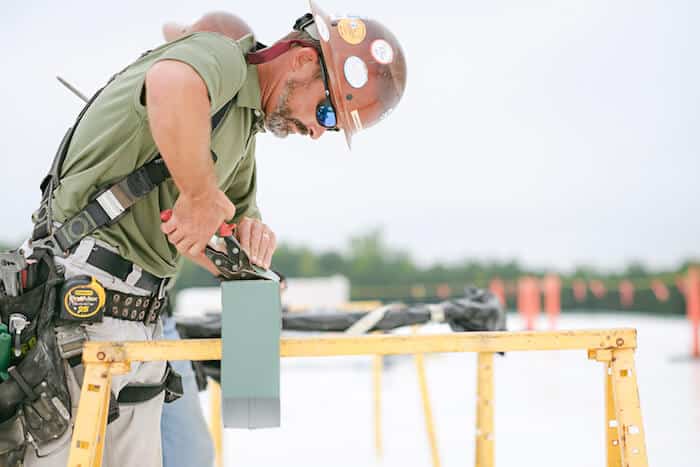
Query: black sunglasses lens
column 325, row 115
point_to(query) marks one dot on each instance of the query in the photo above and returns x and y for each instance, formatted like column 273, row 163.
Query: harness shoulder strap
column 42, row 217
column 109, row 205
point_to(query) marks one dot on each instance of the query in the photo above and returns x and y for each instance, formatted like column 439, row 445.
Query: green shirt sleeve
column 242, row 191
column 218, row 60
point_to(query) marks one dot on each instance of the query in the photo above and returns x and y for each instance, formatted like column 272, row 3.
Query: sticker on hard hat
column 322, row 28
column 352, row 30
column 382, row 51
column 355, row 72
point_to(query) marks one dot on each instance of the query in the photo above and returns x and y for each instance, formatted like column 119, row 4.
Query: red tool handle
column 225, row 230
column 166, row 215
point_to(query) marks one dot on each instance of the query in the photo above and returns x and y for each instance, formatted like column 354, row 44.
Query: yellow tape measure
column 83, row 299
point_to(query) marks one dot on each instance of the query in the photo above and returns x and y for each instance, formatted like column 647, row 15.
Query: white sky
column 552, row 132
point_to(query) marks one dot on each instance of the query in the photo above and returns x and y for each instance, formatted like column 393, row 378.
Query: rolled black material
column 479, row 310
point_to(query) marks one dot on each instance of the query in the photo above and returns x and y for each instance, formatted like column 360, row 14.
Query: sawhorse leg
column 484, row 410
column 427, row 409
column 87, row 443
column 628, row 413
column 215, row 421
column 612, row 444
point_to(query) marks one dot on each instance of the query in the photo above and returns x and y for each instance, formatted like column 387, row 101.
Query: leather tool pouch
column 34, row 400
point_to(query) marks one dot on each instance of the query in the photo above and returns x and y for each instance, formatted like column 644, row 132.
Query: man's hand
column 195, row 219
column 258, row 241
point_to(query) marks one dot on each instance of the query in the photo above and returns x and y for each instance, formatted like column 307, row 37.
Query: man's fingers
column 185, row 246
column 169, row 226
column 243, row 233
column 255, row 239
column 264, row 246
column 176, row 237
column 271, row 246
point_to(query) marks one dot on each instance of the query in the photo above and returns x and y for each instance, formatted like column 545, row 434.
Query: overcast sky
column 552, row 132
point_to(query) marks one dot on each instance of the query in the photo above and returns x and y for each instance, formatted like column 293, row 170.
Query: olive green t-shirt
column 113, row 139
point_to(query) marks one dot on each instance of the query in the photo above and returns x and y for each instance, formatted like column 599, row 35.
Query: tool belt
column 35, row 404
column 34, row 399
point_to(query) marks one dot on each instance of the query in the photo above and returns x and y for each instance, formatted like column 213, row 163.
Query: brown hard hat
column 220, row 22
column 366, row 68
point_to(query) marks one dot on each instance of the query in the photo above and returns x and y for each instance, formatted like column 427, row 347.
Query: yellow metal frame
column 614, row 347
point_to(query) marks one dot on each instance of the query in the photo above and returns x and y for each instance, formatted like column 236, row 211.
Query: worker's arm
column 178, row 109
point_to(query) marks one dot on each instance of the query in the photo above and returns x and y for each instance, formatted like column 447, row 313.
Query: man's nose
column 316, row 131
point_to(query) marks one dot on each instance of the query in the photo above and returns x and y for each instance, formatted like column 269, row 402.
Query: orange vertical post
column 552, row 298
column 535, row 291
column 498, row 288
column 528, row 301
column 522, row 300
column 660, row 290
column 626, row 288
column 692, row 301
column 579, row 289
column 597, row 288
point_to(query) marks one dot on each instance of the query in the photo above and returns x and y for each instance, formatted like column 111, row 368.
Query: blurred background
column 535, row 138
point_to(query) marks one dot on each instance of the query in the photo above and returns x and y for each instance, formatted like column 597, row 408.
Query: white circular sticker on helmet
column 382, row 51
column 355, row 72
column 322, row 28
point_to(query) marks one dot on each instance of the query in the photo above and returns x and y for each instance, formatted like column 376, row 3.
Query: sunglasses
column 325, row 112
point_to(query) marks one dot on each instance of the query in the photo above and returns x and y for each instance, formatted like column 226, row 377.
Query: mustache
column 301, row 128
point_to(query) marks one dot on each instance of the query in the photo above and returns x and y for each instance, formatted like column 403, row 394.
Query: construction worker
column 176, row 130
column 185, row 438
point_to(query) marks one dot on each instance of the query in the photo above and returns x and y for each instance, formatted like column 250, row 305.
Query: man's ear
column 305, row 58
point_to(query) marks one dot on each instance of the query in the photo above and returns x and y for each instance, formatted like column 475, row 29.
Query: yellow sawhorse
column 614, row 347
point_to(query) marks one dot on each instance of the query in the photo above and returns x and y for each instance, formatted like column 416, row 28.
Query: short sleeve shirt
column 113, row 139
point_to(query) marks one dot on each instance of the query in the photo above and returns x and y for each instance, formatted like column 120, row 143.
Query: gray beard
column 279, row 122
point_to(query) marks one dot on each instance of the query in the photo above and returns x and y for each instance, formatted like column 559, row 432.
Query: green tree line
column 377, row 270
